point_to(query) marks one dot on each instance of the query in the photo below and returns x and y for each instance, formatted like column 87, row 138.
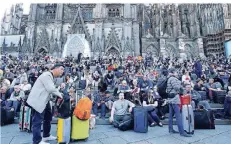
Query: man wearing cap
column 39, row 98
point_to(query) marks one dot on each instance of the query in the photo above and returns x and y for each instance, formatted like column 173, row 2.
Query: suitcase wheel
column 86, row 139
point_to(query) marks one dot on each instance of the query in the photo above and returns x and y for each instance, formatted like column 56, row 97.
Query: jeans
column 205, row 104
column 15, row 104
column 175, row 109
column 152, row 117
column 103, row 109
column 37, row 119
column 118, row 119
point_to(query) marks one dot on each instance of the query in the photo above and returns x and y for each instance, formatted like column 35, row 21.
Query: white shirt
column 184, row 80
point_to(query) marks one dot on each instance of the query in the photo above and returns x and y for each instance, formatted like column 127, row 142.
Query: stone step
column 165, row 122
column 214, row 107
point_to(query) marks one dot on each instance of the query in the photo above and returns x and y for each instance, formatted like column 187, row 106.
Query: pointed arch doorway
column 76, row 44
column 113, row 52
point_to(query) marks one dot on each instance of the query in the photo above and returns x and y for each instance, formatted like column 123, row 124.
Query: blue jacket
column 144, row 84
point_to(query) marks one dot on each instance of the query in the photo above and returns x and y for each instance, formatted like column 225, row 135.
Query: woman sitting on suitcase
column 150, row 103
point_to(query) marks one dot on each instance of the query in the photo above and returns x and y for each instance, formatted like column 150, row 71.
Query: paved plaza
column 106, row 134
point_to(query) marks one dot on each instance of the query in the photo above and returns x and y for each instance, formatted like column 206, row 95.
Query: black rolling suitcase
column 7, row 116
column 140, row 120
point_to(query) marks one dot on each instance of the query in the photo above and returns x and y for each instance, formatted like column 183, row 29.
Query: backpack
column 161, row 88
column 83, row 109
column 64, row 106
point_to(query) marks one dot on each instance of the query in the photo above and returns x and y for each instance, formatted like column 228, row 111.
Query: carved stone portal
column 76, row 44
column 113, row 52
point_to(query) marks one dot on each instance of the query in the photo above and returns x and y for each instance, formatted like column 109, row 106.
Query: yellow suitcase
column 79, row 129
column 64, row 130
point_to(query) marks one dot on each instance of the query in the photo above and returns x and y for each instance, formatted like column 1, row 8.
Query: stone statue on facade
column 148, row 34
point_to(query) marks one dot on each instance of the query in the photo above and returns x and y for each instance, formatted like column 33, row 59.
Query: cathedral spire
column 78, row 25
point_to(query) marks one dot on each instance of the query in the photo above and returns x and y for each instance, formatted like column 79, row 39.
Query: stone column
column 59, row 12
column 127, row 11
column 136, row 39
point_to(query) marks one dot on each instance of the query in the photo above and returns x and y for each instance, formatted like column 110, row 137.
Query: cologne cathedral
column 168, row 30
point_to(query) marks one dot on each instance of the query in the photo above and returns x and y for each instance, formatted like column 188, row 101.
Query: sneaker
column 42, row 142
column 186, row 135
column 50, row 138
column 173, row 131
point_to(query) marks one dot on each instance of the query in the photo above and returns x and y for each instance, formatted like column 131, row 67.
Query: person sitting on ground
column 211, row 86
column 199, row 86
column 8, row 75
column 69, row 81
column 160, row 108
column 15, row 99
column 124, row 88
column 108, row 100
column 25, row 86
column 135, row 90
column 96, row 78
column 5, row 94
column 145, row 84
column 150, row 103
column 186, row 78
column 5, row 82
column 99, row 102
column 196, row 98
column 119, row 110
column 109, row 79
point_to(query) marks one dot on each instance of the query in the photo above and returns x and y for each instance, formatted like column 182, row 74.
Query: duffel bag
column 204, row 119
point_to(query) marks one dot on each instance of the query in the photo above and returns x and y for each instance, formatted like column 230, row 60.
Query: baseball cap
column 57, row 65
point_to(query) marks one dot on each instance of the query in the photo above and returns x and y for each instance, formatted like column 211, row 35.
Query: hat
column 57, row 65
column 107, row 92
column 171, row 70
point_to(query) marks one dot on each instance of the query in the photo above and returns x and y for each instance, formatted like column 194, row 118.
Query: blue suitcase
column 140, row 120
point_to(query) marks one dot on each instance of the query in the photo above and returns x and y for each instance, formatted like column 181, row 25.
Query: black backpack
column 64, row 106
column 161, row 88
column 82, row 84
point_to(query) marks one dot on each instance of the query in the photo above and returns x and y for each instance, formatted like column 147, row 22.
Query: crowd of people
column 115, row 85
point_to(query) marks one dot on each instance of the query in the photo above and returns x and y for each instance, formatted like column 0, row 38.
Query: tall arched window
column 50, row 11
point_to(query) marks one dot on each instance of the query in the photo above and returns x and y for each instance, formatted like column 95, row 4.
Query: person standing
column 173, row 90
column 39, row 98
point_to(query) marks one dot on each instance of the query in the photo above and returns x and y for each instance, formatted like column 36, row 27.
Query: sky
column 8, row 3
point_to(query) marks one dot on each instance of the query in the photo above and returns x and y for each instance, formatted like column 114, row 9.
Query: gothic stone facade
column 170, row 30
column 108, row 28
column 178, row 30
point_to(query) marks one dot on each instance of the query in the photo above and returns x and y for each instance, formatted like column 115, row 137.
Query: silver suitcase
column 188, row 119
